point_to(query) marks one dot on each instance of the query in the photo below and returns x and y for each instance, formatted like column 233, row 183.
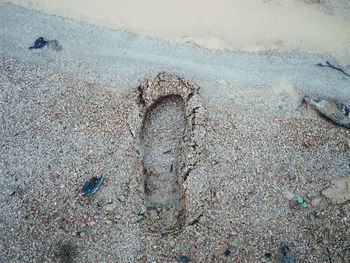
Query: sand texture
column 196, row 124
column 238, row 199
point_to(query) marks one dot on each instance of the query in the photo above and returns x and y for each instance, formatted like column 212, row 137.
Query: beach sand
column 58, row 131
column 261, row 173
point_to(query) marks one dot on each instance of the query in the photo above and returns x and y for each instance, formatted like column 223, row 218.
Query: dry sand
column 57, row 132
column 318, row 26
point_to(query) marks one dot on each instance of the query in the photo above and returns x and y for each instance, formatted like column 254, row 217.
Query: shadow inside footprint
column 161, row 137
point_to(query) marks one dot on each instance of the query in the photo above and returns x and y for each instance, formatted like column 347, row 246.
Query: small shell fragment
column 91, row 186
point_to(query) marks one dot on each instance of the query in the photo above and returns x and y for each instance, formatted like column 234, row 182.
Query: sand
column 255, row 25
column 70, row 115
column 238, row 197
column 123, row 60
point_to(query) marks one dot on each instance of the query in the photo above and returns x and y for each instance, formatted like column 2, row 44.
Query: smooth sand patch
column 239, row 25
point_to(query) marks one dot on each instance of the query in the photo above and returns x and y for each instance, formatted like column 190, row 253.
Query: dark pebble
column 227, row 252
column 268, row 255
column 39, row 43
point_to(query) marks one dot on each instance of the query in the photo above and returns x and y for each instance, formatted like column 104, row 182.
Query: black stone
column 39, row 43
column 227, row 252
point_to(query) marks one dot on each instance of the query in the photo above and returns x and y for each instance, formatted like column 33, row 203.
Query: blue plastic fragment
column 302, row 202
column 91, row 186
column 39, row 43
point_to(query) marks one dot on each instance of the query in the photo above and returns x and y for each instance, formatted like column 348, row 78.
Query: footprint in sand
column 162, row 133
column 172, row 140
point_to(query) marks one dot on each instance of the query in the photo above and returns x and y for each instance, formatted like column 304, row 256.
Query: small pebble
column 227, row 252
column 39, row 43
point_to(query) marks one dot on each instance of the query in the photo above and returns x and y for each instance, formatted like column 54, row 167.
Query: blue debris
column 286, row 253
column 302, row 202
column 182, row 259
column 39, row 43
column 91, row 186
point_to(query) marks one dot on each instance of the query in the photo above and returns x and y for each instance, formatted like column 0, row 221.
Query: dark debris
column 41, row 43
column 91, row 186
column 329, row 65
column 227, row 252
column 182, row 259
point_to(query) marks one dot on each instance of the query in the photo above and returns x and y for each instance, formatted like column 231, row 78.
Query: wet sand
column 255, row 25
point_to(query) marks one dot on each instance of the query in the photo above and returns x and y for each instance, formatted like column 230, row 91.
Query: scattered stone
column 91, row 186
column 333, row 110
column 339, row 190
